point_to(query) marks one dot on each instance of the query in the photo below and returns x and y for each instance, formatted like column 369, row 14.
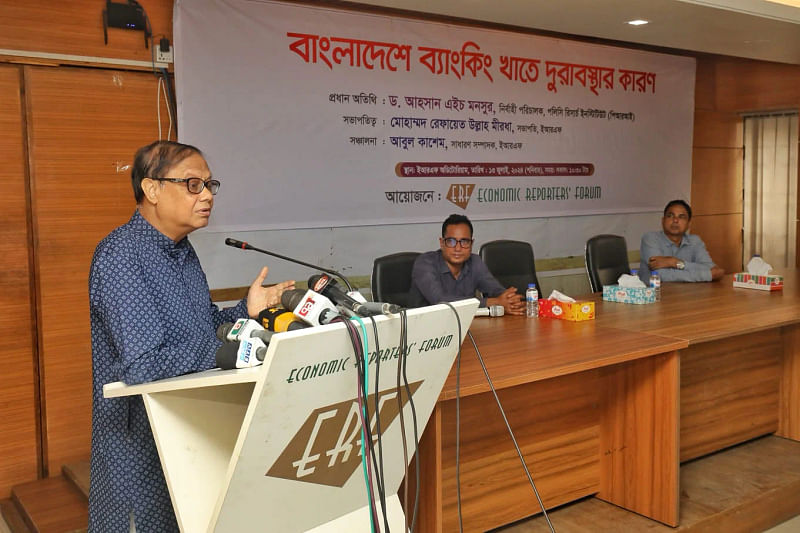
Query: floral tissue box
column 629, row 295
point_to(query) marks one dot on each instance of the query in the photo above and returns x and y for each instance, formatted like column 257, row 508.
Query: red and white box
column 770, row 282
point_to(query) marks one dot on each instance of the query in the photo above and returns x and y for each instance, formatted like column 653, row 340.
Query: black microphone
column 226, row 355
column 245, row 246
column 326, row 286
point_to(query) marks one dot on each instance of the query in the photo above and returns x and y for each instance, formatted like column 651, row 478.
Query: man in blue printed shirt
column 677, row 255
column 453, row 272
column 152, row 318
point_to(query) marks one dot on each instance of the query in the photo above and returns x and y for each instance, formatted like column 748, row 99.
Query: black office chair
column 391, row 278
column 606, row 260
column 511, row 262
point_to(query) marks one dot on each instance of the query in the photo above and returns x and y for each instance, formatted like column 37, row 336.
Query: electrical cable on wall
column 164, row 78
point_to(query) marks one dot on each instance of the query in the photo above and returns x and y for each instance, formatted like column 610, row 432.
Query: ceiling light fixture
column 637, row 22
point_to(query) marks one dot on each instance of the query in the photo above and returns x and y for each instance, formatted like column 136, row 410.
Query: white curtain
column 770, row 188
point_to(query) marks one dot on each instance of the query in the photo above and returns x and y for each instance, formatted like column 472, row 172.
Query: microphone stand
column 245, row 246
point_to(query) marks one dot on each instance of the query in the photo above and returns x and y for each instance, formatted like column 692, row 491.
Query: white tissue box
column 629, row 295
column 770, row 282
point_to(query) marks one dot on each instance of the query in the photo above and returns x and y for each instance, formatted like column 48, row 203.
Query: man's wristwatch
column 680, row 265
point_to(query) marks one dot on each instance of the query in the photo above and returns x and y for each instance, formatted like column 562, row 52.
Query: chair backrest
column 511, row 262
column 606, row 260
column 391, row 278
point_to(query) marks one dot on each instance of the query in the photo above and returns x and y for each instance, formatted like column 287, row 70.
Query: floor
column 790, row 526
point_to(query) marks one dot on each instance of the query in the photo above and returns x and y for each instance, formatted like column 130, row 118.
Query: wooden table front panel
column 556, row 424
column 729, row 391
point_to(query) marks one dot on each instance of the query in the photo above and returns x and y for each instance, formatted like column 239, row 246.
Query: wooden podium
column 277, row 447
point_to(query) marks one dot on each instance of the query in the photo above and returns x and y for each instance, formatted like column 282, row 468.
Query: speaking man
column 151, row 318
column 677, row 255
column 454, row 273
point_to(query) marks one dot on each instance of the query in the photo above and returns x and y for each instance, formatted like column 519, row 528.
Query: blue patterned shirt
column 692, row 251
column 432, row 282
column 152, row 318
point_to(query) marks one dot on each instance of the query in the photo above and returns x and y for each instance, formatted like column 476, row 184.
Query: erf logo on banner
column 460, row 193
column 326, row 450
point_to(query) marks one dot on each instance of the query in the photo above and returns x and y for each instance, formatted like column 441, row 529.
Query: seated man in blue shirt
column 676, row 255
column 453, row 272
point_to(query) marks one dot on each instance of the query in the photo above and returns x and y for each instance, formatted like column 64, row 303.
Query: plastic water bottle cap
column 654, row 272
column 531, row 285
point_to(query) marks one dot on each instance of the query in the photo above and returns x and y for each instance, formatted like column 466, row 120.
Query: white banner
column 317, row 117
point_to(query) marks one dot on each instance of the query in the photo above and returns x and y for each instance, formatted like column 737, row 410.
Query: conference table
column 612, row 406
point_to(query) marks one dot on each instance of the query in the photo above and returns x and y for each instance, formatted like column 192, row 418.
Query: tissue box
column 575, row 312
column 629, row 295
column 770, row 282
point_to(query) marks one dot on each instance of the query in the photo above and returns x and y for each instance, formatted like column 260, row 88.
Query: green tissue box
column 629, row 295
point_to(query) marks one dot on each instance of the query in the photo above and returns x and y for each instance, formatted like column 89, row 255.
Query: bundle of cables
column 372, row 459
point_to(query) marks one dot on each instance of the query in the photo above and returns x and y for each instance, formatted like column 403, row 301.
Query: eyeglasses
column 451, row 242
column 194, row 185
column 682, row 216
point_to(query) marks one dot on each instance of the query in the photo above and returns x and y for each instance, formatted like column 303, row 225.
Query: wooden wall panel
column 745, row 85
column 75, row 27
column 85, row 125
column 19, row 450
column 704, row 82
column 714, row 129
column 723, row 237
column 716, row 181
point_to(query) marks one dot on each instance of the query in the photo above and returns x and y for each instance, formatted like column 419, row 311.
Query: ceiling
column 756, row 29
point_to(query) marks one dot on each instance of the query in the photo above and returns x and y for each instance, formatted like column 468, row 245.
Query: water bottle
column 532, row 301
column 655, row 283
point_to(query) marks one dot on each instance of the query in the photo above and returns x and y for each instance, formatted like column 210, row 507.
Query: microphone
column 492, row 310
column 310, row 306
column 278, row 319
column 381, row 308
column 245, row 246
column 244, row 328
column 225, row 357
column 325, row 285
column 247, row 353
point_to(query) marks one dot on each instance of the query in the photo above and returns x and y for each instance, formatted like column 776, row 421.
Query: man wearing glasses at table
column 453, row 272
column 677, row 255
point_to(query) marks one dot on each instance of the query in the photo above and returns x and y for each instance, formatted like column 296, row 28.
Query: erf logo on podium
column 327, row 448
